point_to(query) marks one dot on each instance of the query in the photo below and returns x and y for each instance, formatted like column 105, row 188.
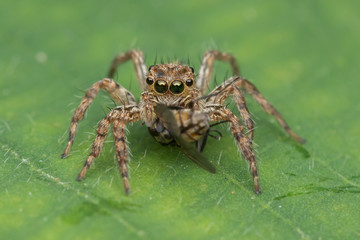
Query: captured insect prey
column 177, row 129
column 174, row 107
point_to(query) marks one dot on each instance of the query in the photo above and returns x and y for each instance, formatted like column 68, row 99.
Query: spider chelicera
column 174, row 107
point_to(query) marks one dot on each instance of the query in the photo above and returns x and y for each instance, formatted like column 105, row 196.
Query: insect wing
column 195, row 156
column 167, row 117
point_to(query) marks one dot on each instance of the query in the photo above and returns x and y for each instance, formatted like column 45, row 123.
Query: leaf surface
column 303, row 57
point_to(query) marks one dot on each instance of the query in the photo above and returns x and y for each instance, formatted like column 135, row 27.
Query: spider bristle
column 130, row 85
column 226, row 75
column 105, row 113
column 188, row 63
column 81, row 90
column 215, row 80
column 113, row 101
column 155, row 59
column 200, row 57
column 177, row 60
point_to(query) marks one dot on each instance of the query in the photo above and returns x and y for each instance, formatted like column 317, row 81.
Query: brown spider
column 173, row 107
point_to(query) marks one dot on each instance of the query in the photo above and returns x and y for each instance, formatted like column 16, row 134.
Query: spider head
column 170, row 79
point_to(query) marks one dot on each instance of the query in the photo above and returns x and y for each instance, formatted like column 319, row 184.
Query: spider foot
column 127, row 191
column 301, row 140
column 257, row 188
column 79, row 178
column 258, row 191
column 126, row 185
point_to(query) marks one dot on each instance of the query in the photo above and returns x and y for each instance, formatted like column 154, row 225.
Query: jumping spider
column 173, row 107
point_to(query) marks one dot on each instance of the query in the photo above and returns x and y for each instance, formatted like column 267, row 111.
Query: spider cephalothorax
column 174, row 107
column 172, row 84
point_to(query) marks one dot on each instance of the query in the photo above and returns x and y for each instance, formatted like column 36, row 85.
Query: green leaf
column 302, row 55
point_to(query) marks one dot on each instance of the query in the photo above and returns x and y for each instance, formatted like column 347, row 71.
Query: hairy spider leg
column 119, row 117
column 206, row 68
column 232, row 85
column 223, row 91
column 101, row 135
column 117, row 92
column 139, row 64
column 222, row 113
column 268, row 108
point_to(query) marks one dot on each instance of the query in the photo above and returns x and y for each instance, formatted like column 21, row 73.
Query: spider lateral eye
column 150, row 67
column 189, row 82
column 177, row 87
column 161, row 86
column 192, row 69
column 149, row 80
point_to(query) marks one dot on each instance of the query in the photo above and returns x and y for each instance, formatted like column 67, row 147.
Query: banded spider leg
column 218, row 112
column 118, row 117
column 116, row 91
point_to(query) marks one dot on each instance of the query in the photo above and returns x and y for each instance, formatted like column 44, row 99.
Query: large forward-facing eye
column 177, row 87
column 161, row 86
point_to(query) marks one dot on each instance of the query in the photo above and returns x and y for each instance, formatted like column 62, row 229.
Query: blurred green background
column 302, row 55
